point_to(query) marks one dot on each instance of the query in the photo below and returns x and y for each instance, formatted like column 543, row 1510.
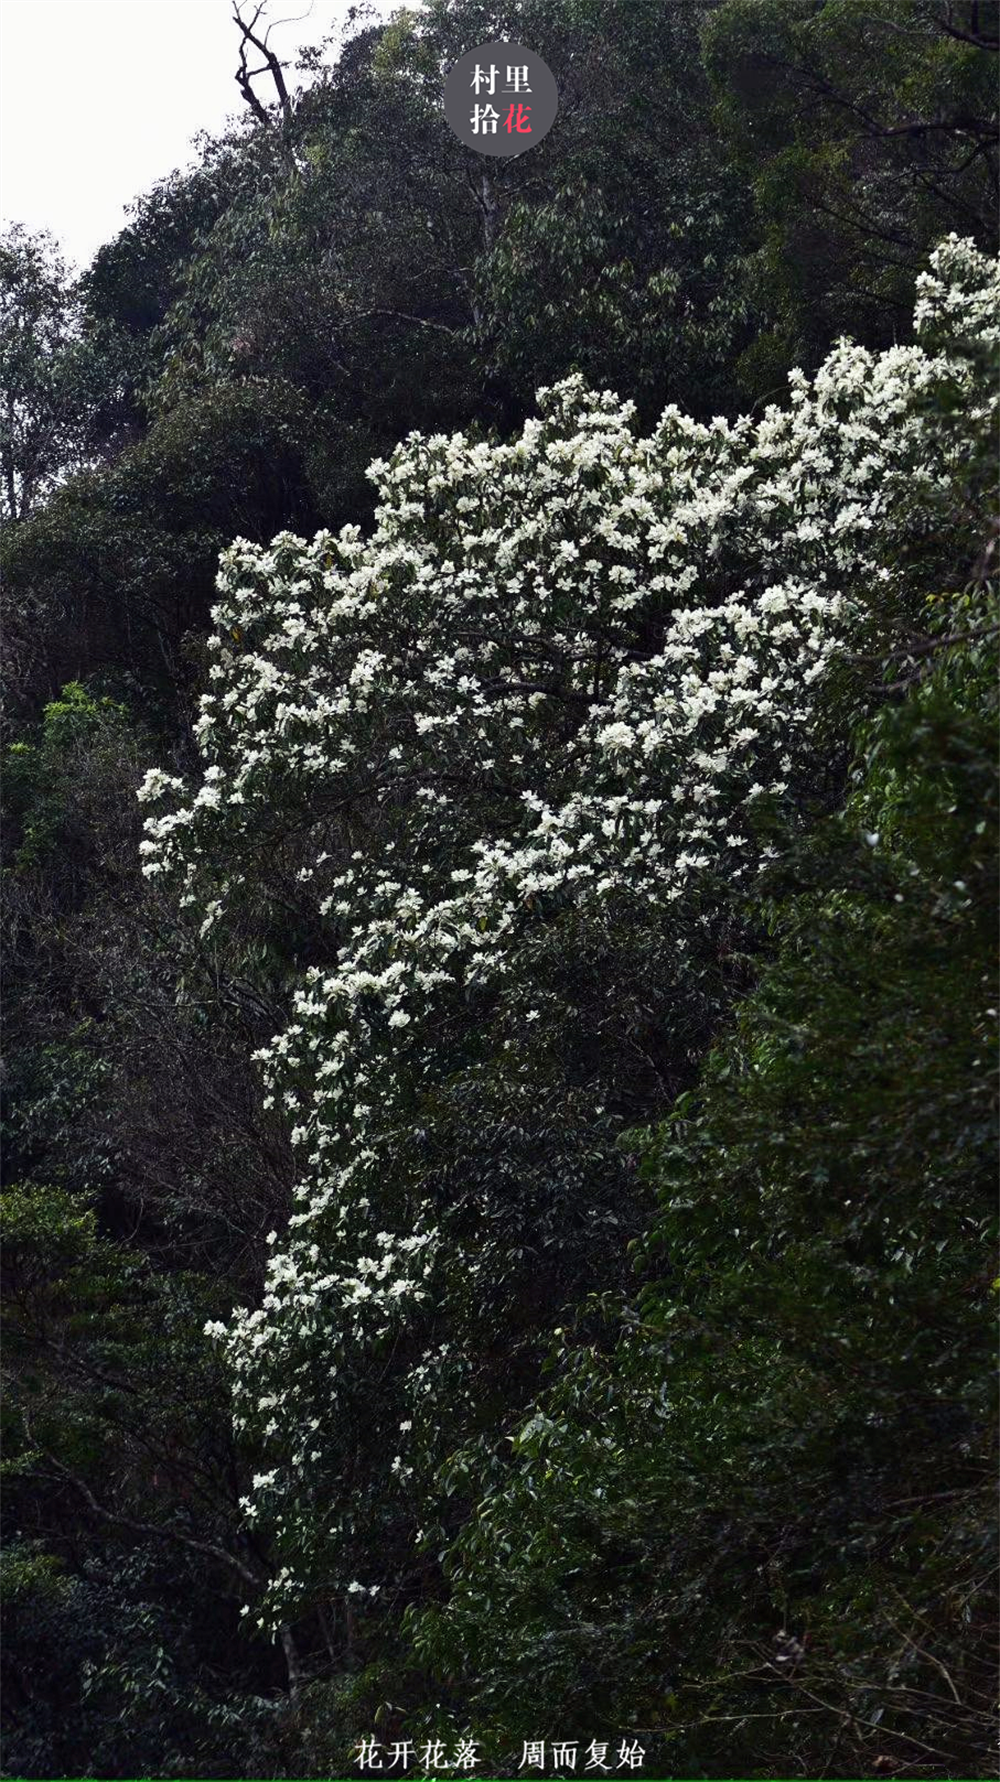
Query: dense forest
column 500, row 915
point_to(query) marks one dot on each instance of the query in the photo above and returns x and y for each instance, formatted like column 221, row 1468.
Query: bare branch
column 270, row 64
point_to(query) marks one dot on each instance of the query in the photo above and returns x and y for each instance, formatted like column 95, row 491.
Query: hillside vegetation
column 500, row 902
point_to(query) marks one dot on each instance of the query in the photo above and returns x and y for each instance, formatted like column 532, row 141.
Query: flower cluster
column 576, row 668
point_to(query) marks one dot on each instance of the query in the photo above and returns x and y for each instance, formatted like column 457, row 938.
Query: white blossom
column 584, row 679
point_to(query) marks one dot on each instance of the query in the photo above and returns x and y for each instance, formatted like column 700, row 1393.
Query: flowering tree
column 568, row 696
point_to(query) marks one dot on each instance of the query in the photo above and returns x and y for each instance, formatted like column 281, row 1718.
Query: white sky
column 100, row 98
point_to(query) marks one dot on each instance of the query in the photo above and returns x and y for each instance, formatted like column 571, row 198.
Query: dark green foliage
column 40, row 362
column 121, row 1647
column 117, row 571
column 126, row 1566
column 758, row 1522
column 743, row 1509
column 865, row 134
column 277, row 326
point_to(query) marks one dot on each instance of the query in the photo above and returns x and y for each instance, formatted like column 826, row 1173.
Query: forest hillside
column 500, row 919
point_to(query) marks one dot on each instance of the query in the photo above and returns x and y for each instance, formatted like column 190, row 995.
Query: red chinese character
column 518, row 123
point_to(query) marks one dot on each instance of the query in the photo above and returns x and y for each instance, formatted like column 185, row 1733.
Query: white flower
column 539, row 733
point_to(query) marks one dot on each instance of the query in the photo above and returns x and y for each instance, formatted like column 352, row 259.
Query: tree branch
column 135, row 1526
column 272, row 65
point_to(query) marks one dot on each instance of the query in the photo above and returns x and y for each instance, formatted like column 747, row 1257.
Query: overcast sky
column 100, row 98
